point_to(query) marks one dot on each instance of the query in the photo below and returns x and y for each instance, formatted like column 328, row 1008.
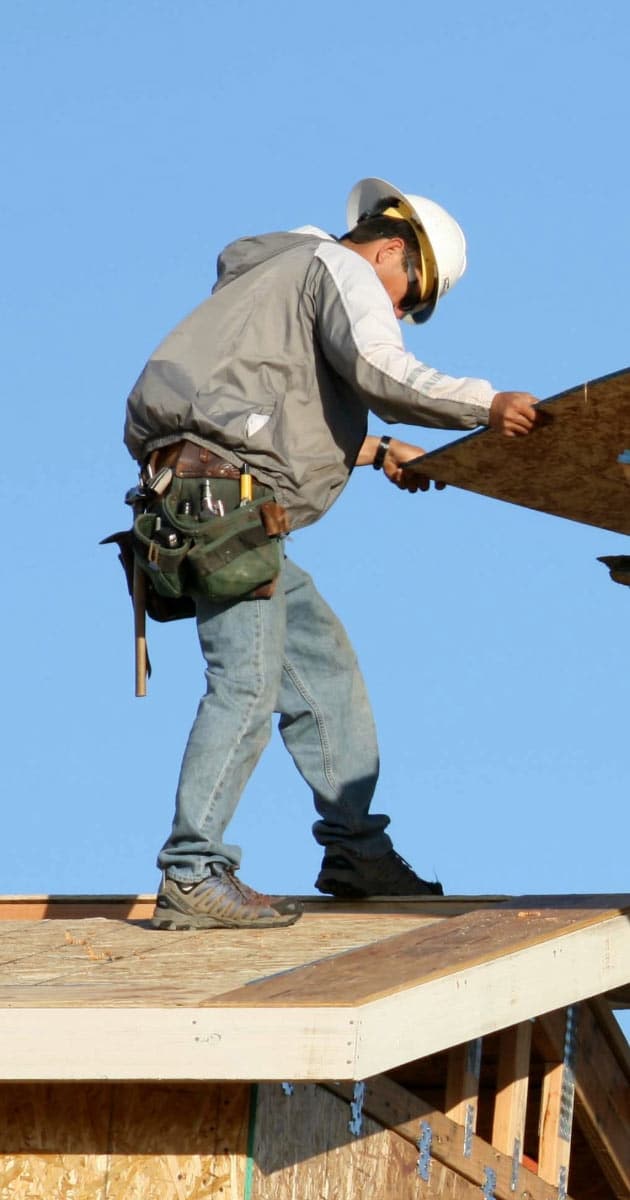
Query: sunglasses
column 412, row 300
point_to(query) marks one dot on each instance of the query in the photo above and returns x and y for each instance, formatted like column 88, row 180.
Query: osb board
column 406, row 1114
column 567, row 466
column 303, row 1149
column 123, row 1142
column 103, row 963
column 429, row 952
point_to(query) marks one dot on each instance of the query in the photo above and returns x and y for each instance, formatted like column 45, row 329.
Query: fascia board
column 318, row 1042
column 492, row 995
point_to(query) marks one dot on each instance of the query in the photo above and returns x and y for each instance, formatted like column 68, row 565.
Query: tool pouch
column 233, row 555
column 159, row 608
column 221, row 558
column 161, row 564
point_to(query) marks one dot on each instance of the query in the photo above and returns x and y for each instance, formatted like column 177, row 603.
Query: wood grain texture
column 111, row 1142
column 303, row 1150
column 508, row 1128
column 341, row 998
column 462, row 1083
column 110, row 963
column 568, row 467
column 602, row 1087
column 403, row 1112
column 426, row 953
column 140, row 907
column 553, row 1150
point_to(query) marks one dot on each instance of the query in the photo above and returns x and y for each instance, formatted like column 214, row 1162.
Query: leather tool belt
column 188, row 460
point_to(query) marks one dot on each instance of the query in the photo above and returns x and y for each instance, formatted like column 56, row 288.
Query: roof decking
column 349, row 991
column 568, row 466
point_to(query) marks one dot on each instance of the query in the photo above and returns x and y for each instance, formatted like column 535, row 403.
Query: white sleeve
column 360, row 337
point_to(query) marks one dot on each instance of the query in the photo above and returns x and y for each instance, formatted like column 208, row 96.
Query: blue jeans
column 288, row 654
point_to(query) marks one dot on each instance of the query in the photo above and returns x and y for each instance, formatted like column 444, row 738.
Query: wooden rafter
column 602, row 1087
column 475, row 1160
column 462, row 1084
column 508, row 1128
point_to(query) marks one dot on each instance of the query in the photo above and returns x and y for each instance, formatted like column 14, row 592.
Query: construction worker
column 273, row 376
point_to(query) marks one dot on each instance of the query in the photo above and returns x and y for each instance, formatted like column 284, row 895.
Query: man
column 276, row 373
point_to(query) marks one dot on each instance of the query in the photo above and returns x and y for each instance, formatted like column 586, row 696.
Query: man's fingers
column 414, row 483
column 513, row 413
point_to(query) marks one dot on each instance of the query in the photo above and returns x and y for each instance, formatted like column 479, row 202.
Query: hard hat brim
column 365, row 195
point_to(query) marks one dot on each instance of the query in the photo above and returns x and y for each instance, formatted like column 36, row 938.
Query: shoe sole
column 174, row 920
column 343, row 891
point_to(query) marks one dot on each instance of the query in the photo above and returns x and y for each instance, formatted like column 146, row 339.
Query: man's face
column 399, row 277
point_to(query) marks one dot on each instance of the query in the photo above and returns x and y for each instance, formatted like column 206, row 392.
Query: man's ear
column 392, row 247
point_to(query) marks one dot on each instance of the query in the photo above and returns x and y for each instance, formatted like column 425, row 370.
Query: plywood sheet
column 567, row 467
column 445, row 1142
column 178, row 1143
column 44, row 1153
column 303, row 1147
column 430, row 952
column 115, row 1142
column 105, row 963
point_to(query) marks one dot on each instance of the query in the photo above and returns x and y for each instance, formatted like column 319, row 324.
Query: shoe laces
column 402, row 862
column 248, row 893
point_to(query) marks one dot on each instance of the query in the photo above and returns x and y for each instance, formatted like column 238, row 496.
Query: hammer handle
column 139, row 629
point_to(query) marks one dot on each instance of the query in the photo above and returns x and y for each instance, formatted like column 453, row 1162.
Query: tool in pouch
column 215, row 538
column 218, row 538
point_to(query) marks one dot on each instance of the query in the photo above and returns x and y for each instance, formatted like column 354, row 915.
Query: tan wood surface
column 508, row 1127
column 107, row 963
column 553, row 1150
column 602, row 1087
column 342, row 996
column 432, row 951
column 462, row 1084
column 303, row 1150
column 140, row 907
column 115, row 1142
column 403, row 1112
column 115, row 962
column 567, row 467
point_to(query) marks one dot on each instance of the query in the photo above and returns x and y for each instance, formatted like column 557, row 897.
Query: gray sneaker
column 220, row 901
column 345, row 875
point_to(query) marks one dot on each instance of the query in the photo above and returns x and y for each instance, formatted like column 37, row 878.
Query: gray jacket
column 279, row 367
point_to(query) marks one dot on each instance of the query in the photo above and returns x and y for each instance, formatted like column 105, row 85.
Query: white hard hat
column 442, row 242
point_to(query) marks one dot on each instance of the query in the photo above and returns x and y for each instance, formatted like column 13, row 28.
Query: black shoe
column 345, row 875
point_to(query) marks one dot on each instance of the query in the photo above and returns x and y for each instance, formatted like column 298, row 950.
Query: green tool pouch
column 159, row 608
column 233, row 555
column 164, row 566
column 220, row 558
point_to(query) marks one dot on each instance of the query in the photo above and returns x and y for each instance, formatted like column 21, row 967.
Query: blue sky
column 138, row 139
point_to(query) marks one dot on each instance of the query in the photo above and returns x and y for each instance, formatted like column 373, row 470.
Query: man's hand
column 399, row 453
column 513, row 413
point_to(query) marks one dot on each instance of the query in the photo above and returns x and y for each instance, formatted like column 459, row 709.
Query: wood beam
column 302, row 1147
column 438, row 1140
column 554, row 1146
column 510, row 1107
column 462, row 1086
column 602, row 1087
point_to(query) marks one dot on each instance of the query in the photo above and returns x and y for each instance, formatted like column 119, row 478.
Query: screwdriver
column 246, row 485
